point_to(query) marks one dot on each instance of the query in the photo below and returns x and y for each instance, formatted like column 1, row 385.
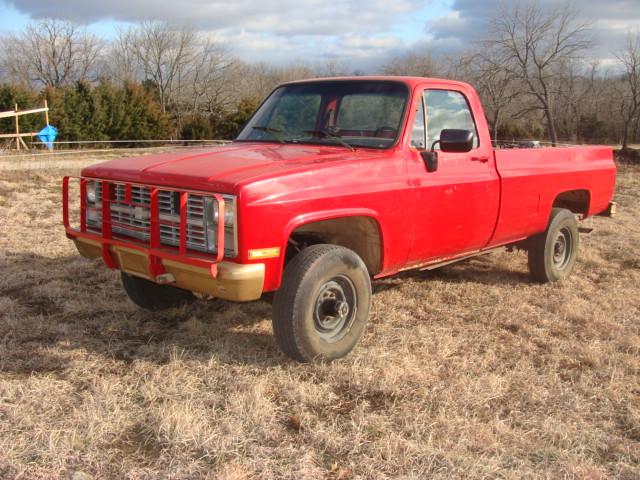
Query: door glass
column 417, row 132
column 448, row 109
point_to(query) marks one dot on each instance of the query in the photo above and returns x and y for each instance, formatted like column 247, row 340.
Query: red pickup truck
column 331, row 183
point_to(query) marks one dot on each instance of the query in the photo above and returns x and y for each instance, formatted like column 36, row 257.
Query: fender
column 311, row 217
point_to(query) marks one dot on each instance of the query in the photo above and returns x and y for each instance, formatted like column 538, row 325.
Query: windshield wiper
column 326, row 133
column 275, row 132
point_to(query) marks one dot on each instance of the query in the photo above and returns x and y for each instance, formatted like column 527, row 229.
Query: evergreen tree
column 10, row 95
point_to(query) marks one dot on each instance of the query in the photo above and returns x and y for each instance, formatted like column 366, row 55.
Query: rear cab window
column 370, row 112
column 295, row 112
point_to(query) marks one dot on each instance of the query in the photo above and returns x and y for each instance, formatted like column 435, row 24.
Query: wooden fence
column 16, row 113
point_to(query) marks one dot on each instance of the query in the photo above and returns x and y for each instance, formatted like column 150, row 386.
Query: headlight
column 91, row 192
column 229, row 211
column 94, row 190
column 94, row 201
column 211, row 224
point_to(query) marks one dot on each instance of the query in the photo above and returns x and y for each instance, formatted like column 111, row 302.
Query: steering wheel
column 380, row 130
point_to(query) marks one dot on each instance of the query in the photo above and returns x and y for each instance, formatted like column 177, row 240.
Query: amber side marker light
column 264, row 253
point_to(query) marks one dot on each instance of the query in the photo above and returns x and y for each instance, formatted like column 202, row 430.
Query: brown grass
column 469, row 371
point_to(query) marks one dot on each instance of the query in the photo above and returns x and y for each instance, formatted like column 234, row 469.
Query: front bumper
column 235, row 282
column 153, row 260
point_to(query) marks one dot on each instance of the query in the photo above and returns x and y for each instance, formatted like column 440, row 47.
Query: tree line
column 532, row 69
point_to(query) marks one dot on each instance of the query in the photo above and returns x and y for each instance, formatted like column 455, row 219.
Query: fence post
column 15, row 108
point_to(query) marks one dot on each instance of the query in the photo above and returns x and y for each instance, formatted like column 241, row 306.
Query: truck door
column 456, row 206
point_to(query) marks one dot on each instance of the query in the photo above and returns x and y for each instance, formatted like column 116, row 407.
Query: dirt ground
column 471, row 371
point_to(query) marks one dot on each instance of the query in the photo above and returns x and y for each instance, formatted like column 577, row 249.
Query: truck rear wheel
column 552, row 254
column 322, row 306
column 152, row 296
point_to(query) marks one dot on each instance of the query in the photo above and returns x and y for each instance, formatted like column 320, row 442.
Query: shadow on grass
column 482, row 270
column 69, row 304
column 55, row 308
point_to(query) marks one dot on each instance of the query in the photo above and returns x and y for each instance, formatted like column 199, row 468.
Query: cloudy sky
column 361, row 34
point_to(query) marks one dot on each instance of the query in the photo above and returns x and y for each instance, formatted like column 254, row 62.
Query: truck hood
column 222, row 169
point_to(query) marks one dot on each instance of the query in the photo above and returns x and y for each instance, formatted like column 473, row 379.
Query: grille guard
column 154, row 250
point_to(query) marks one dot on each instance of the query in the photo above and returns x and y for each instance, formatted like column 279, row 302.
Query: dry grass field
column 470, row 371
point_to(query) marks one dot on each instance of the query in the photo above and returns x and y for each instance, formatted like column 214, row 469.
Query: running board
column 433, row 264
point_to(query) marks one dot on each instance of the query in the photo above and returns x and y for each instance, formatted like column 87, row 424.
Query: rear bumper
column 233, row 281
column 611, row 210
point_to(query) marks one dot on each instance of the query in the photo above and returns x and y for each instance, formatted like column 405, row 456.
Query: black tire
column 553, row 253
column 152, row 296
column 322, row 306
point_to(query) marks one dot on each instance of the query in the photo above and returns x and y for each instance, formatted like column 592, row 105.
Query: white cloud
column 280, row 31
column 609, row 22
column 286, row 17
column 362, row 33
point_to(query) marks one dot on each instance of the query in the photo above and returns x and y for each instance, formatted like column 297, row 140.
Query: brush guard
column 154, row 251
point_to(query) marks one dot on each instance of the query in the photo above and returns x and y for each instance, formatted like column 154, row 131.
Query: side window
column 448, row 109
column 418, row 131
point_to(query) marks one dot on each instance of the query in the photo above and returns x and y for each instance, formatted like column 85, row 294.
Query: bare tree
column 535, row 41
column 495, row 82
column 419, row 64
column 332, row 68
column 187, row 68
column 630, row 95
column 52, row 53
column 122, row 63
column 579, row 96
column 207, row 79
column 257, row 80
column 164, row 52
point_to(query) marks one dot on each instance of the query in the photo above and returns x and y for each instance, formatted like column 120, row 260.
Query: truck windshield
column 344, row 113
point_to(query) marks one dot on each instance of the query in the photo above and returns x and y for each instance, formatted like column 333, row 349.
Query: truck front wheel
column 553, row 253
column 322, row 306
column 152, row 296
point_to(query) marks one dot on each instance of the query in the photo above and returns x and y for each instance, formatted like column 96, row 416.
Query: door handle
column 483, row 159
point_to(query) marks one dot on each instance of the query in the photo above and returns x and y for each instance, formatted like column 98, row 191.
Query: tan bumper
column 236, row 282
column 611, row 210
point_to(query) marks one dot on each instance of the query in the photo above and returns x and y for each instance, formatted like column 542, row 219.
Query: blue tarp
column 48, row 135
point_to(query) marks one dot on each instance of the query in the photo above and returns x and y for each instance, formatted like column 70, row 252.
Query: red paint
column 474, row 200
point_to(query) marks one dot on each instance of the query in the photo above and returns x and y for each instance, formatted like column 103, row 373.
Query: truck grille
column 133, row 218
column 196, row 231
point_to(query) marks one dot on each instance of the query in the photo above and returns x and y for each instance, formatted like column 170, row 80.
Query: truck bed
column 532, row 179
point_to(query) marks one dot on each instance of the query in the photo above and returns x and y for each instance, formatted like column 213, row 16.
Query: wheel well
column 358, row 233
column 575, row 200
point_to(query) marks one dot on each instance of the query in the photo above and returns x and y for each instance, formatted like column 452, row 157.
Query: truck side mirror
column 456, row 141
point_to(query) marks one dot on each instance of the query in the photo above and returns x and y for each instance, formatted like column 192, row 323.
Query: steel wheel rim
column 562, row 249
column 335, row 308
